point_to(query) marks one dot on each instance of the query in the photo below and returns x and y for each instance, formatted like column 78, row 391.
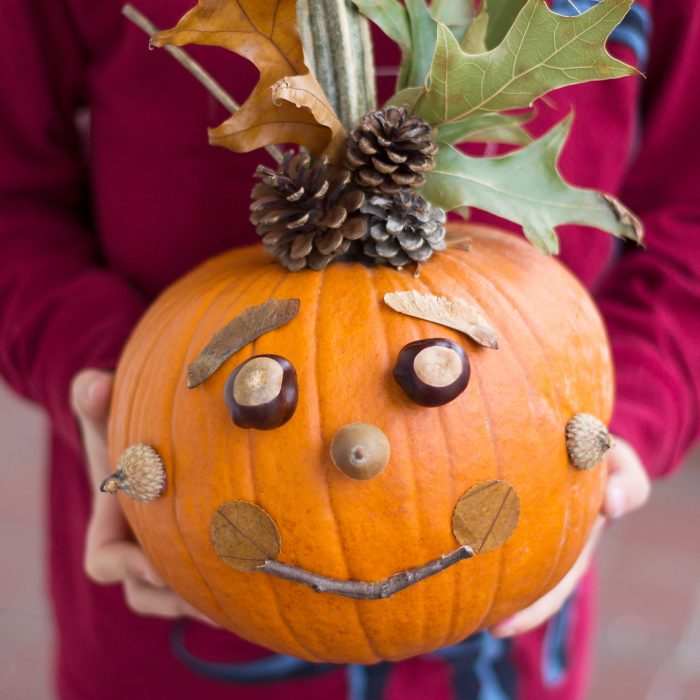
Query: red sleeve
column 651, row 298
column 61, row 309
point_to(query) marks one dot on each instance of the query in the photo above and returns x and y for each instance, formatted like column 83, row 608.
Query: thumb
column 91, row 391
column 628, row 486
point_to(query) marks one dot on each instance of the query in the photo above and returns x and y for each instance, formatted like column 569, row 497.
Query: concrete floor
column 649, row 639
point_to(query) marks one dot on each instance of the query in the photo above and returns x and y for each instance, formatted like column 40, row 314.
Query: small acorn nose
column 360, row 450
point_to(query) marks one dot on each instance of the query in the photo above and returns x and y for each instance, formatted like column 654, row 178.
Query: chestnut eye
column 432, row 372
column 262, row 392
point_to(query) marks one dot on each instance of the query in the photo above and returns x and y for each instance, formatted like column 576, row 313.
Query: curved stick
column 363, row 589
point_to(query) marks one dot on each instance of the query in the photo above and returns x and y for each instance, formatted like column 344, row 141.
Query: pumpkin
column 507, row 427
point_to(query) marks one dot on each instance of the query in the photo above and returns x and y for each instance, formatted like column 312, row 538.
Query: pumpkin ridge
column 522, row 317
column 513, row 304
column 499, row 472
column 459, row 259
column 382, row 280
column 219, row 289
column 133, row 373
column 478, row 386
column 250, row 348
column 511, row 346
column 251, row 451
column 153, row 357
column 446, row 442
column 125, row 372
column 356, row 604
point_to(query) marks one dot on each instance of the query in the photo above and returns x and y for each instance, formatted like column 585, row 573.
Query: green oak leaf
column 413, row 28
column 526, row 187
column 474, row 41
column 391, row 17
column 456, row 14
column 407, row 96
column 416, row 63
column 541, row 51
column 501, row 14
column 488, row 128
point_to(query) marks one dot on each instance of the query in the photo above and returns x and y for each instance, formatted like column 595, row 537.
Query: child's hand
column 627, row 489
column 111, row 555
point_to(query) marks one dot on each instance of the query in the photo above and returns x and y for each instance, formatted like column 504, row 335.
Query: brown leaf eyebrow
column 239, row 332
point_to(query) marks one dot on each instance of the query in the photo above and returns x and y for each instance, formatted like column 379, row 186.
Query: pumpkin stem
column 338, row 50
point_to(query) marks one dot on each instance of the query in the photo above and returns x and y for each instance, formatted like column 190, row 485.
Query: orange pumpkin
column 508, row 424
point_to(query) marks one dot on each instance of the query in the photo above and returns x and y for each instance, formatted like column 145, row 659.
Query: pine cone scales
column 307, row 212
column 403, row 228
column 390, row 150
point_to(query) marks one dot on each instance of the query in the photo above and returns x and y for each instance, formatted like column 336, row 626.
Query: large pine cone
column 403, row 228
column 307, row 212
column 390, row 150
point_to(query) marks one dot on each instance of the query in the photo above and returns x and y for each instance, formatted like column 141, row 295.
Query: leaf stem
column 182, row 57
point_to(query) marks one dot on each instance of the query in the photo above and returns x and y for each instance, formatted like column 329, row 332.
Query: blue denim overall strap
column 555, row 652
column 480, row 669
column 634, row 31
column 276, row 667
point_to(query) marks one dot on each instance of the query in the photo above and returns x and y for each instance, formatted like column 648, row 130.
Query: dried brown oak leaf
column 244, row 535
column 287, row 105
column 486, row 515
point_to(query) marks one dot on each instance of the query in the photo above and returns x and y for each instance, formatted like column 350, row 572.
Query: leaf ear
column 265, row 33
column 525, row 186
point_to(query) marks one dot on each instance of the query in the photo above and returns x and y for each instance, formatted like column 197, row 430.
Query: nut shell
column 360, row 450
column 244, row 403
column 413, row 369
column 587, row 440
column 140, row 474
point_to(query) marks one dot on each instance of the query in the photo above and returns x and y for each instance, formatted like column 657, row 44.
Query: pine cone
column 390, row 150
column 403, row 228
column 307, row 212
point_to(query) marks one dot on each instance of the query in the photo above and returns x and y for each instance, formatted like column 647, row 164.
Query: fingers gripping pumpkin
column 343, row 481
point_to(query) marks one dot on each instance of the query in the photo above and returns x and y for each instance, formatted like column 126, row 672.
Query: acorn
column 360, row 450
column 432, row 372
column 140, row 474
column 587, row 440
column 262, row 392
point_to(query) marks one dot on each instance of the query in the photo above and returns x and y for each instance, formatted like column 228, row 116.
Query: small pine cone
column 390, row 150
column 140, row 474
column 307, row 212
column 403, row 228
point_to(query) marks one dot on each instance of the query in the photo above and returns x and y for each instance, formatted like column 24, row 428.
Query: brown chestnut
column 262, row 392
column 432, row 372
column 360, row 450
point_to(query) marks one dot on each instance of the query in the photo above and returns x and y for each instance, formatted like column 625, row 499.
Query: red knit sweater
column 91, row 229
